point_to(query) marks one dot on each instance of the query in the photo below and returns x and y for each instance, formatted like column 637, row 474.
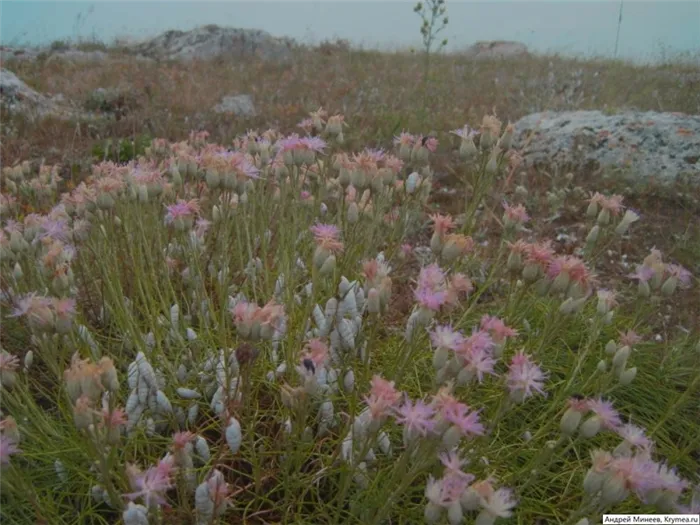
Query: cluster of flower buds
column 211, row 498
column 220, row 378
column 147, row 404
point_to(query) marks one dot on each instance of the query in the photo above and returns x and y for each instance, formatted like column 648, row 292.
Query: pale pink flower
column 635, row 436
column 540, row 253
column 497, row 328
column 642, row 273
column 612, row 204
column 184, row 210
column 317, row 352
column 152, row 484
column 404, row 139
column 479, row 362
column 629, row 338
column 609, row 417
column 684, row 276
column 443, row 224
column 524, row 376
column 515, row 214
column 327, row 236
column 462, row 417
column 431, row 290
column 7, row 448
column 417, row 417
column 446, row 337
column 479, row 341
column 383, row 397
column 499, row 503
column 453, row 465
column 181, row 439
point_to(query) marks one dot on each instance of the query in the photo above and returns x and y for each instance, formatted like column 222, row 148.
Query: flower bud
column 592, row 210
column 373, row 301
column 570, row 422
column 531, row 273
column 604, row 217
column 643, row 289
column 613, row 491
column 592, row 236
column 629, row 218
column 628, row 376
column 514, row 262
column 669, row 286
column 602, row 366
column 492, row 164
column 328, row 266
column 17, row 272
column 590, row 427
column 620, row 359
column 353, row 213
column 234, row 437
column 611, row 347
column 593, row 482
column 432, row 513
column 135, row 515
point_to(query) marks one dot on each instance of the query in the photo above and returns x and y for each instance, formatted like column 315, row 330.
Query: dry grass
column 379, row 93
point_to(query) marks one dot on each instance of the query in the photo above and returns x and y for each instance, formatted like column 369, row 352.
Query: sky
column 650, row 30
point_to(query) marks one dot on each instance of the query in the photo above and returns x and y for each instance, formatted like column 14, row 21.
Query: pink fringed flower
column 383, row 397
column 327, row 236
column 463, row 418
column 431, row 291
column 8, row 448
column 416, row 417
column 609, row 417
column 152, row 484
column 446, row 337
column 442, row 224
column 497, row 329
column 524, row 377
column 514, row 215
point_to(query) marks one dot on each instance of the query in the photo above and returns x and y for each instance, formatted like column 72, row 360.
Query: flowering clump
column 229, row 318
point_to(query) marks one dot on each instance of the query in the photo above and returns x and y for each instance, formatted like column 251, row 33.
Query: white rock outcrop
column 213, row 41
column 643, row 145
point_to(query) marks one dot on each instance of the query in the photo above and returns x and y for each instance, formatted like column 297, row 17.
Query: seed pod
column 203, row 503
column 628, row 376
column 349, row 381
column 192, row 413
column 135, row 515
column 570, row 422
column 188, row 393
column 28, row 360
column 234, row 436
column 202, row 448
column 590, row 427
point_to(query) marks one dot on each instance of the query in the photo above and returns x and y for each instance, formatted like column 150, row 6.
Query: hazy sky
column 573, row 27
